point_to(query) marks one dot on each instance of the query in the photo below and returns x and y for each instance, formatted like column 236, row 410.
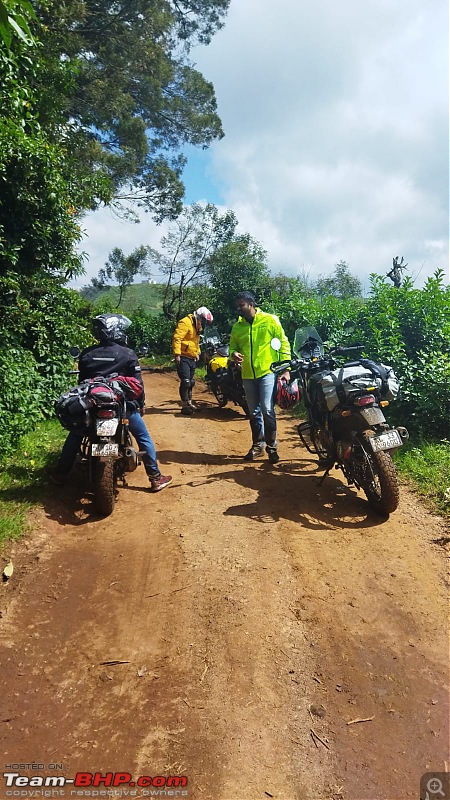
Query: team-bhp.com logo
column 94, row 784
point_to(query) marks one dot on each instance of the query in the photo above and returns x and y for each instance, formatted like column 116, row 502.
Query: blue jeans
column 260, row 395
column 137, row 428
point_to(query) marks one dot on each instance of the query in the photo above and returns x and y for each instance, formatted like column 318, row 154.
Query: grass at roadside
column 22, row 478
column 427, row 466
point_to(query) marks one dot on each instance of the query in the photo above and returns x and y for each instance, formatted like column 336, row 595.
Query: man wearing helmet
column 186, row 350
column 112, row 356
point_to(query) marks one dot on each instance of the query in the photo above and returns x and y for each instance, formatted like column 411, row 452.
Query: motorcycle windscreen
column 307, row 343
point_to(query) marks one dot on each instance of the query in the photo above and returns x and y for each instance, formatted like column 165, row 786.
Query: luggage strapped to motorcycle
column 363, row 375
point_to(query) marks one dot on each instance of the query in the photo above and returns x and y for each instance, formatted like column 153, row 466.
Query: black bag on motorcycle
column 73, row 408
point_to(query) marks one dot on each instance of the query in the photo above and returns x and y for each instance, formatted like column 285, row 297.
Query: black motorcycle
column 345, row 425
column 97, row 409
column 223, row 377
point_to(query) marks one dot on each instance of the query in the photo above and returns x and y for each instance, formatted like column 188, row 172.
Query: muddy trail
column 246, row 628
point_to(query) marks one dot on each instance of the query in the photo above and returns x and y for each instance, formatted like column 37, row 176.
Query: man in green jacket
column 257, row 340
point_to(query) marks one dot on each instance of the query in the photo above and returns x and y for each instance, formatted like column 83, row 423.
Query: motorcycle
column 97, row 408
column 345, row 425
column 223, row 377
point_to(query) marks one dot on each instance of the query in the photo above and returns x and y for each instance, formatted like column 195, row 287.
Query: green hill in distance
column 148, row 296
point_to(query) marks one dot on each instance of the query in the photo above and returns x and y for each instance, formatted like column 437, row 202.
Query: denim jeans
column 139, row 430
column 260, row 396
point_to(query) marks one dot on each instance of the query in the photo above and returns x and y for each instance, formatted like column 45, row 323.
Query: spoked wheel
column 104, row 486
column 377, row 476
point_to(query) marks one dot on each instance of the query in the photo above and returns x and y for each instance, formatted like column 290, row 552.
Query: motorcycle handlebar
column 281, row 366
column 341, row 351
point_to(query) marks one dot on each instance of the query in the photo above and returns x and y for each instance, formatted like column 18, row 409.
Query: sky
column 336, row 137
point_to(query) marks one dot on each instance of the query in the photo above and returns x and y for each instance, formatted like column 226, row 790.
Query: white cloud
column 336, row 122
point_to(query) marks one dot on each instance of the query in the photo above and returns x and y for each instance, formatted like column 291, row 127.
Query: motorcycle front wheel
column 104, row 486
column 221, row 398
column 377, row 476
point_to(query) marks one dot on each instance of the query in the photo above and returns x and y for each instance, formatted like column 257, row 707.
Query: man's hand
column 177, row 359
column 286, row 376
column 238, row 358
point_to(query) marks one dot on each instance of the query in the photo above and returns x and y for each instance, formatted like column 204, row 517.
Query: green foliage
column 123, row 269
column 187, row 249
column 126, row 93
column 22, row 395
column 341, row 284
column 147, row 296
column 410, row 329
column 40, row 321
column 300, row 307
column 236, row 266
column 13, row 22
column 156, row 332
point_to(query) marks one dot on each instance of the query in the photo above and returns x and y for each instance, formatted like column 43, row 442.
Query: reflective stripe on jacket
column 254, row 342
column 186, row 339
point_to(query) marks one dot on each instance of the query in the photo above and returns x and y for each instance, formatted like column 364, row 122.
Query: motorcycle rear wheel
column 104, row 486
column 377, row 476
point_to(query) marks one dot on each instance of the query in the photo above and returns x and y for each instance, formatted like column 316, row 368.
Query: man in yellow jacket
column 257, row 340
column 186, row 349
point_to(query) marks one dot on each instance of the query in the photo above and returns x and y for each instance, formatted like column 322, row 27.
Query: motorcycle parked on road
column 345, row 424
column 97, row 409
column 223, row 377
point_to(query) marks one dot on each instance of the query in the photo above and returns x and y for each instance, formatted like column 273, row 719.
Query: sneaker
column 273, row 455
column 160, row 482
column 56, row 477
column 255, row 451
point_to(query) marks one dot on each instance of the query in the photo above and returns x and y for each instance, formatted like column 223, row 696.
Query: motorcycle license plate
column 386, row 441
column 106, row 427
column 105, row 449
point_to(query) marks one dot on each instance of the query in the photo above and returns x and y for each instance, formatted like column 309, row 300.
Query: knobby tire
column 104, row 487
column 379, row 482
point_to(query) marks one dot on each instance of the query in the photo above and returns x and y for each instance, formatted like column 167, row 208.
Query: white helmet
column 203, row 317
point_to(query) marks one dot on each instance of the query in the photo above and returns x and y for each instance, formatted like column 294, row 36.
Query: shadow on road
column 290, row 491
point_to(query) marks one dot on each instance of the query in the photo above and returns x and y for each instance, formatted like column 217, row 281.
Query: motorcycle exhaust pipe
column 131, row 459
column 403, row 433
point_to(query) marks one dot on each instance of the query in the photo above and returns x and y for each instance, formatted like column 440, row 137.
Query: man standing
column 186, row 349
column 257, row 340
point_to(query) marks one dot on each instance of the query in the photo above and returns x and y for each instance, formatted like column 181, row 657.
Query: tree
column 238, row 265
column 187, row 249
column 118, row 88
column 340, row 284
column 123, row 269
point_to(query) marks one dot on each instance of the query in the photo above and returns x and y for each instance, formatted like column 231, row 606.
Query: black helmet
column 111, row 328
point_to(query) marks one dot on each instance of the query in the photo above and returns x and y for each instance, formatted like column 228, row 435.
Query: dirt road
column 246, row 628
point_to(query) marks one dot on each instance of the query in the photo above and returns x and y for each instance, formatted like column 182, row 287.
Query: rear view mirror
column 74, row 352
